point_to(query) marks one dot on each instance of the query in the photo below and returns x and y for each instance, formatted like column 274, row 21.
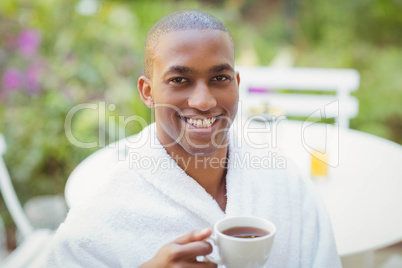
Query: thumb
column 197, row 235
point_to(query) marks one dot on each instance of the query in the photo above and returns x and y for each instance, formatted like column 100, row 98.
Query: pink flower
column 32, row 79
column 28, row 42
column 11, row 80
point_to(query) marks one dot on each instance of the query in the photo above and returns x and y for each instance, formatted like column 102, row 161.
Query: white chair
column 34, row 242
column 10, row 198
column 327, row 90
column 3, row 240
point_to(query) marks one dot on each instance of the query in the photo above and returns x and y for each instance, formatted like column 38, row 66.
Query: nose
column 201, row 98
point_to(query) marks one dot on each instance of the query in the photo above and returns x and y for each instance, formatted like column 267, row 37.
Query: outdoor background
column 55, row 54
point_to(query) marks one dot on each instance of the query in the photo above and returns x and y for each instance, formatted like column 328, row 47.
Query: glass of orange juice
column 319, row 164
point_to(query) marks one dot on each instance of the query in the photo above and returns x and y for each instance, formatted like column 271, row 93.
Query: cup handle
column 209, row 258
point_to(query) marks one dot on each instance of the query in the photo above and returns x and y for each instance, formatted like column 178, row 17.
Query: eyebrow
column 220, row 68
column 178, row 69
column 184, row 69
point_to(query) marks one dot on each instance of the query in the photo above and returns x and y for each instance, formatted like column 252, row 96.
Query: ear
column 145, row 89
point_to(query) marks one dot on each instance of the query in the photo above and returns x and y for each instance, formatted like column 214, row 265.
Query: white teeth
column 207, row 122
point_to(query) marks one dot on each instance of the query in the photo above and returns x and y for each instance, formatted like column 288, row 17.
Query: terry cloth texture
column 144, row 206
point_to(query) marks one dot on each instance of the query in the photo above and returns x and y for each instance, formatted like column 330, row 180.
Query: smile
column 205, row 122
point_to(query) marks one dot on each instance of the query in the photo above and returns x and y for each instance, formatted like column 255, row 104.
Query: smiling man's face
column 194, row 89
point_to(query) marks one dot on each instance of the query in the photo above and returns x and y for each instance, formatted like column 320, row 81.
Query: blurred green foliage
column 364, row 35
column 53, row 58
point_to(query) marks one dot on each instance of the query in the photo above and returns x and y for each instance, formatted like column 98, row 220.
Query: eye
column 179, row 80
column 220, row 78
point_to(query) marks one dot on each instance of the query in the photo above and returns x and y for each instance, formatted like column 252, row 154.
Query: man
column 159, row 215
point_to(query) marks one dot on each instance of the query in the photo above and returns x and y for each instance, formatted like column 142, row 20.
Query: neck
column 209, row 171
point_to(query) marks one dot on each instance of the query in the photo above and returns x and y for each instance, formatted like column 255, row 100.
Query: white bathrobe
column 150, row 201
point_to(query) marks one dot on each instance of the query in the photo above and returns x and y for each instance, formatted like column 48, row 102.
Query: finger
column 197, row 235
column 188, row 252
column 201, row 265
column 191, row 250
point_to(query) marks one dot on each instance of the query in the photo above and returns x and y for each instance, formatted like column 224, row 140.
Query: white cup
column 242, row 252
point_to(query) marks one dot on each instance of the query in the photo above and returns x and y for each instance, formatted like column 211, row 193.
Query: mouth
column 205, row 122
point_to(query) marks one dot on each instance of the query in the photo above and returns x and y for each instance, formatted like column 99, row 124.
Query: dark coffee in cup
column 243, row 241
column 245, row 232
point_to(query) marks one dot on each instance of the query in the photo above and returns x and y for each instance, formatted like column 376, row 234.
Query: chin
column 204, row 149
column 201, row 151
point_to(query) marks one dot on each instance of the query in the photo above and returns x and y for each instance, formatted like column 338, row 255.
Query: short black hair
column 189, row 19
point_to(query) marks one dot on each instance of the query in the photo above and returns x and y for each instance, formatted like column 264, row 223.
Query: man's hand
column 183, row 251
